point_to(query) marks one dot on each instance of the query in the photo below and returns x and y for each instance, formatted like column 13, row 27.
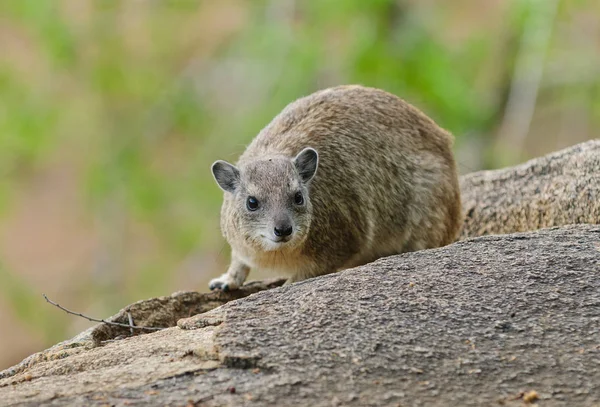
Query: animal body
column 338, row 179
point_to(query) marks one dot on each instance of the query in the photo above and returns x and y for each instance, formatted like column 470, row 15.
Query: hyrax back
column 338, row 179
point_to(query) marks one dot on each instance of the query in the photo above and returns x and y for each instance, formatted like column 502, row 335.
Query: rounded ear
column 306, row 163
column 226, row 175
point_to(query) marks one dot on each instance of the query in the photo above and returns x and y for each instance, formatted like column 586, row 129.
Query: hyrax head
column 269, row 198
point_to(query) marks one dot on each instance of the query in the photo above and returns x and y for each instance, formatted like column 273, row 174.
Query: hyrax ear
column 306, row 163
column 226, row 175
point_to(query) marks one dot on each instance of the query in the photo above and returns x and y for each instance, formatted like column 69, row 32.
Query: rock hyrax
column 338, row 179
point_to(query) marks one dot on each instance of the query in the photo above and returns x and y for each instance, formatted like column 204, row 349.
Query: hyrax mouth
column 282, row 239
column 277, row 239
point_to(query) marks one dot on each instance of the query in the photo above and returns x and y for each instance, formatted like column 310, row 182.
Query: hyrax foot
column 223, row 283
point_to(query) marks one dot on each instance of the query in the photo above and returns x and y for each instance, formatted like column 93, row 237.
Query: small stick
column 111, row 340
column 130, row 322
column 202, row 400
column 130, row 326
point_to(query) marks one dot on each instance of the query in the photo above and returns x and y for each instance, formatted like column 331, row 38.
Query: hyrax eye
column 298, row 198
column 252, row 203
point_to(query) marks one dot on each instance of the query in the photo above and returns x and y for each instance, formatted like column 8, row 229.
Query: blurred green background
column 111, row 113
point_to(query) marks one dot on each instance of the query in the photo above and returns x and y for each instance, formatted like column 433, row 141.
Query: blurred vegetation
column 136, row 99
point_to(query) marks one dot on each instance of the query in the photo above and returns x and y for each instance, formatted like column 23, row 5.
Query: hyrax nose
column 283, row 230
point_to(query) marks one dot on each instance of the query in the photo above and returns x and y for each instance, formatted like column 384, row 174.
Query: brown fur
column 386, row 183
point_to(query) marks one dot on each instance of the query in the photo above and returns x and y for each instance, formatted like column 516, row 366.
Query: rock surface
column 155, row 312
column 497, row 320
column 559, row 189
column 476, row 323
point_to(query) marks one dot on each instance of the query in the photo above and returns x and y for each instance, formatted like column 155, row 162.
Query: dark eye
column 252, row 203
column 298, row 198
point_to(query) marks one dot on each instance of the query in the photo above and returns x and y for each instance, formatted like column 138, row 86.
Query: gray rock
column 155, row 312
column 496, row 320
column 559, row 189
column 479, row 322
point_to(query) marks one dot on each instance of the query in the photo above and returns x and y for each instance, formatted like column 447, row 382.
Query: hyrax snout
column 338, row 179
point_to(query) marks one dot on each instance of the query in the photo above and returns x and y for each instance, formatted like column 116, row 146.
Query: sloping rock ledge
column 475, row 323
column 480, row 322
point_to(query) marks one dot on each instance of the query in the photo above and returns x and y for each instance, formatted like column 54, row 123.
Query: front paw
column 223, row 283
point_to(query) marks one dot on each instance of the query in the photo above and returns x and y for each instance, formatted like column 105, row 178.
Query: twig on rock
column 130, row 325
column 199, row 401
column 130, row 318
